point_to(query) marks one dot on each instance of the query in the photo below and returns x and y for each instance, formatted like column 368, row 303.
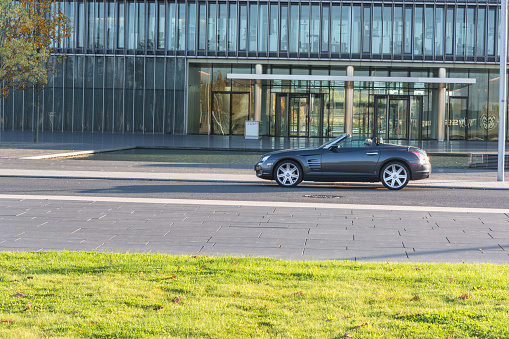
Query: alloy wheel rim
column 288, row 174
column 395, row 176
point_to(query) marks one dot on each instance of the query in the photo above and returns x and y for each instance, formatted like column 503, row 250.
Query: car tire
column 394, row 175
column 288, row 173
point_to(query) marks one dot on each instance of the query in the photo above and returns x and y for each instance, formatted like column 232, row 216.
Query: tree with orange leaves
column 27, row 52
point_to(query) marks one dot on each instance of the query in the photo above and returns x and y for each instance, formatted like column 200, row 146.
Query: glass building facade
column 163, row 66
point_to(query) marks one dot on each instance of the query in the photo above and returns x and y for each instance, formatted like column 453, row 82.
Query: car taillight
column 423, row 158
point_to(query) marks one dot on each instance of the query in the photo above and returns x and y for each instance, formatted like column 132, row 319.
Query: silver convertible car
column 347, row 158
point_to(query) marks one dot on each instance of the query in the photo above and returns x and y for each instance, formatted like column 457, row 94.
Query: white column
column 349, row 102
column 441, row 107
column 258, row 94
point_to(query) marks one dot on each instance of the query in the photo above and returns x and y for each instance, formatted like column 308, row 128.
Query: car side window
column 353, row 143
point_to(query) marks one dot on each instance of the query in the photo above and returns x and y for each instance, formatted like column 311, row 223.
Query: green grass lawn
column 94, row 295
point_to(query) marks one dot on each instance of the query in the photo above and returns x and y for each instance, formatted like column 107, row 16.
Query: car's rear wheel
column 394, row 175
column 288, row 173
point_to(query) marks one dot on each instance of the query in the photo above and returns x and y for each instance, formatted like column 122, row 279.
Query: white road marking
column 255, row 203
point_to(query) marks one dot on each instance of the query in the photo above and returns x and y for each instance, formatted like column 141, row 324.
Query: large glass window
column 232, row 28
column 90, row 31
column 439, row 31
column 376, row 47
column 262, row 28
column 449, row 31
column 211, row 29
column 418, row 30
column 110, row 25
column 339, row 27
column 121, row 26
column 69, row 11
column 202, row 26
column 387, row 30
column 181, row 34
column 346, row 22
column 151, row 25
column 221, row 28
column 253, row 20
column 408, row 29
column 191, row 27
column 325, row 28
column 294, row 28
column 460, row 32
column 481, row 32
column 242, row 27
column 284, row 28
column 314, row 29
column 161, row 24
column 356, row 30
column 366, row 30
column 140, row 26
column 470, row 38
column 99, row 25
column 304, row 29
column 273, row 29
column 170, row 32
column 491, row 31
column 428, row 32
column 398, row 31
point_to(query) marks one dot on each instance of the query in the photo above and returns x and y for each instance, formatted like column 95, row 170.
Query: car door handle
column 372, row 153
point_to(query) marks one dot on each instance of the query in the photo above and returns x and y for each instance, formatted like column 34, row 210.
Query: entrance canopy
column 425, row 80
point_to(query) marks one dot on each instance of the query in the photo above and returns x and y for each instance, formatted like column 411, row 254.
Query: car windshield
column 348, row 141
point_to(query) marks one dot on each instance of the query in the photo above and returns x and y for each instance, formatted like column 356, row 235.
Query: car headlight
column 263, row 159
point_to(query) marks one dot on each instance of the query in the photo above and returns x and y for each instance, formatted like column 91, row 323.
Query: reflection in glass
column 460, row 31
column 439, row 31
column 294, row 28
column 170, row 32
column 366, row 43
column 481, row 32
column 212, row 34
column 160, row 27
column 253, row 15
column 262, row 28
column 449, row 31
column 408, row 29
column 191, row 27
column 151, row 25
column 470, row 33
column 325, row 28
column 356, row 30
column 397, row 121
column 273, row 29
column 345, row 28
column 491, row 31
column 202, row 26
column 376, row 42
column 387, row 30
column 340, row 29
column 239, row 112
column 232, row 28
column 243, row 27
column 398, row 31
column 456, row 124
column 284, row 29
column 314, row 29
column 428, row 32
column 221, row 28
column 304, row 29
column 418, row 30
column 220, row 113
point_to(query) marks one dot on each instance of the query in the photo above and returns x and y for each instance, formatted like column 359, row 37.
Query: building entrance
column 398, row 117
column 299, row 114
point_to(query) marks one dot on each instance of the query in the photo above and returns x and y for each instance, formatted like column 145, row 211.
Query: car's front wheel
column 288, row 173
column 394, row 175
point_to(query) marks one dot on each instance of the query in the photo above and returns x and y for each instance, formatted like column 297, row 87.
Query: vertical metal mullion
column 154, row 98
column 329, row 50
column 174, row 94
column 206, row 29
column 144, row 90
column 104, row 94
column 145, row 31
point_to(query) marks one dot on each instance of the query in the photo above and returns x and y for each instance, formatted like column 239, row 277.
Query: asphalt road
column 266, row 191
